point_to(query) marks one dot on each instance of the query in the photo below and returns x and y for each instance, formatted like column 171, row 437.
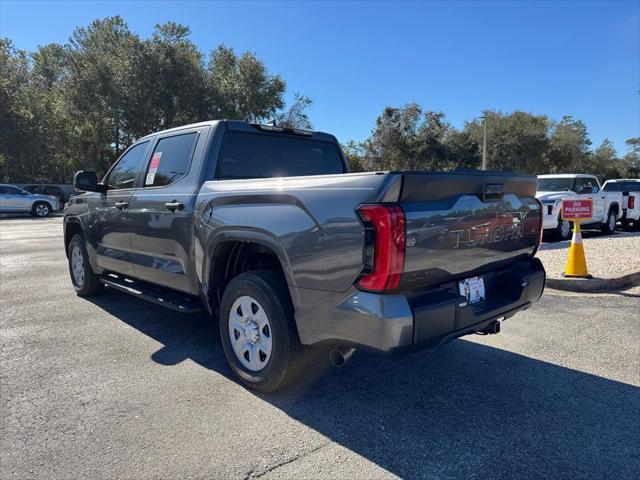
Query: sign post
column 577, row 211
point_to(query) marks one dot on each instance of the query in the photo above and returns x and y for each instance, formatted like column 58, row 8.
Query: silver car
column 16, row 199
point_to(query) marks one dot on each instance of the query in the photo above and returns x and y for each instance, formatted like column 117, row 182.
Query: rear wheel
column 85, row 282
column 610, row 225
column 41, row 209
column 258, row 331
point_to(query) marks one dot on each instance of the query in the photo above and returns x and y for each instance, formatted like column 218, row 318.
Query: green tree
column 515, row 141
column 605, row 162
column 15, row 114
column 296, row 115
column 631, row 160
column 178, row 80
column 463, row 150
column 569, row 146
column 241, row 87
column 407, row 138
column 100, row 58
column 354, row 154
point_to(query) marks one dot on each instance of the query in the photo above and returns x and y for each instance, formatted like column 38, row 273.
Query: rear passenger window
column 255, row 155
column 170, row 160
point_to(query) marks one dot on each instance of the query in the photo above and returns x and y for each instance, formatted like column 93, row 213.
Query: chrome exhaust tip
column 341, row 355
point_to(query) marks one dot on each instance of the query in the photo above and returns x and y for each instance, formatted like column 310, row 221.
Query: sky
column 355, row 58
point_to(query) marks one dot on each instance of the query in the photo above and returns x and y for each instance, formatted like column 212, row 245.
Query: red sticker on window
column 155, row 160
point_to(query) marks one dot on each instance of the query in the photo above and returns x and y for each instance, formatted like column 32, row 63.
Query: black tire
column 41, row 209
column 563, row 231
column 287, row 357
column 610, row 225
column 90, row 283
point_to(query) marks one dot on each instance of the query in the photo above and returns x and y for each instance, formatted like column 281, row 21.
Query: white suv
column 552, row 189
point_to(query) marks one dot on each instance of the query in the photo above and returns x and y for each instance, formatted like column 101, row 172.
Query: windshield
column 561, row 184
column 622, row 187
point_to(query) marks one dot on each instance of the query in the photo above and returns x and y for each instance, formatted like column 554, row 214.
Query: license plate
column 472, row 289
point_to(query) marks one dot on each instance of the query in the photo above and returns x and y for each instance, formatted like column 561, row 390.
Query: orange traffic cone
column 576, row 263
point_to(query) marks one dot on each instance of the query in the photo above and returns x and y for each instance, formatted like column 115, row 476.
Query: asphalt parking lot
column 114, row 387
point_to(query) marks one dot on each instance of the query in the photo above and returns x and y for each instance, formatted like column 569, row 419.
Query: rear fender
column 242, row 234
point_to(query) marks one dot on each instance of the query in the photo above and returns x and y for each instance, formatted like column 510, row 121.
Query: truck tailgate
column 463, row 224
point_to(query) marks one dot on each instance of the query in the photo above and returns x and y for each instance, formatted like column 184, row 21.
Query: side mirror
column 87, row 181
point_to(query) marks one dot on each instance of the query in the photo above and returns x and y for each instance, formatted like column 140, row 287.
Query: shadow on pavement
column 464, row 411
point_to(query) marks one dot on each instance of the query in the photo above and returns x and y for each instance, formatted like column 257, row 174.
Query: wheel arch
column 36, row 202
column 615, row 207
column 234, row 251
column 71, row 228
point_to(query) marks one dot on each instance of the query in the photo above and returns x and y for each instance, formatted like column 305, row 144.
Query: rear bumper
column 392, row 323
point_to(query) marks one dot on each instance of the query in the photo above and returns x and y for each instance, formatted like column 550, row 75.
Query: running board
column 159, row 296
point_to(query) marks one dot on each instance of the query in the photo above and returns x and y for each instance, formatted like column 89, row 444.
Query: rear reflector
column 631, row 202
column 385, row 233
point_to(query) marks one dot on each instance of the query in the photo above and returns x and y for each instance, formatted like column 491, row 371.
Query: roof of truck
column 567, row 175
column 240, row 125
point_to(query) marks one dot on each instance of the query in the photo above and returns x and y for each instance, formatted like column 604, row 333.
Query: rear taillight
column 631, row 203
column 384, row 246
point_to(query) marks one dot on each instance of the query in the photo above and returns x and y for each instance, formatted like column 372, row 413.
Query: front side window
column 170, row 160
column 585, row 185
column 254, row 155
column 124, row 174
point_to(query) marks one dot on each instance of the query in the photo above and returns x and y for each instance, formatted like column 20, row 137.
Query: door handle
column 173, row 206
column 121, row 205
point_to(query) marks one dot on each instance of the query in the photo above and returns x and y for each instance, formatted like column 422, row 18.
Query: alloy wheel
column 42, row 210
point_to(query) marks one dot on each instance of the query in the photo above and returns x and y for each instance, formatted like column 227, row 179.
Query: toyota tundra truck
column 266, row 230
column 552, row 189
column 629, row 188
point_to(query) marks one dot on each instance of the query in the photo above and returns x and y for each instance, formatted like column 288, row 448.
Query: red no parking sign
column 577, row 209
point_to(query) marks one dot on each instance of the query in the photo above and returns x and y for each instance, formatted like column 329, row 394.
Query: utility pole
column 484, row 144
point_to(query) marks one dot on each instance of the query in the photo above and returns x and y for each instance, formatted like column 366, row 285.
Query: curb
column 629, row 279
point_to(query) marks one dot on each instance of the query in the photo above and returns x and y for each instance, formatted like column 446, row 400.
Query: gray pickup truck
column 264, row 228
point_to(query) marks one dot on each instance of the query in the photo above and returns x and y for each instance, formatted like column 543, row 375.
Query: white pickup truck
column 552, row 189
column 630, row 190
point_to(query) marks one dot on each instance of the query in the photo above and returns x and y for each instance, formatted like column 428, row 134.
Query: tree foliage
column 410, row 138
column 78, row 105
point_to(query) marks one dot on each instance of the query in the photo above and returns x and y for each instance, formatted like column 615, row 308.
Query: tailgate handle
column 492, row 191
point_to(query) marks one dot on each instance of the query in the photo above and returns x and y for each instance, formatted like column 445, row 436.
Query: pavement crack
column 254, row 474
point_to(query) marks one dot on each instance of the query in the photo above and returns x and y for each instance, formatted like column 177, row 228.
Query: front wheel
column 258, row 331
column 610, row 225
column 84, row 281
column 563, row 230
column 41, row 209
